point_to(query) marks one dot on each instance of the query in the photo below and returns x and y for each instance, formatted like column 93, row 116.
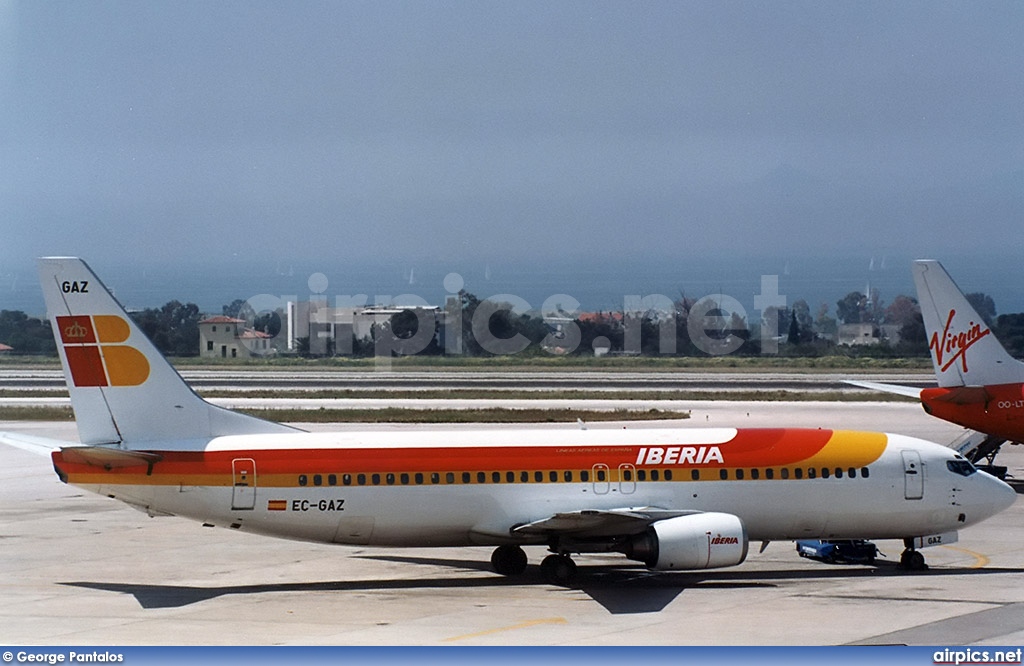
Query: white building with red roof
column 228, row 337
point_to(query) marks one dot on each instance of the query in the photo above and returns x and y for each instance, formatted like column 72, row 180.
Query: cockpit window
column 961, row 467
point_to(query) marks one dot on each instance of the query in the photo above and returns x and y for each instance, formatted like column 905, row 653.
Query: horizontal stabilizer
column 108, row 458
column 961, row 395
column 41, row 446
column 895, row 389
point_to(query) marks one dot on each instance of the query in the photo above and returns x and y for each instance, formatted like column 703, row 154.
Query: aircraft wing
column 591, row 523
column 895, row 389
column 41, row 446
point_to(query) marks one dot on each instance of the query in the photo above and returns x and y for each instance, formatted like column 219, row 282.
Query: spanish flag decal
column 95, row 357
column 277, row 505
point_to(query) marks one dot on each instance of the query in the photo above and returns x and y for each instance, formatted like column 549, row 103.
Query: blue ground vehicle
column 850, row 551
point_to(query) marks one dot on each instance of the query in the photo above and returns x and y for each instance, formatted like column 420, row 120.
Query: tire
column 558, row 570
column 508, row 560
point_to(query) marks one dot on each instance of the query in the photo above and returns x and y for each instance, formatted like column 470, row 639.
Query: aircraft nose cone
column 999, row 495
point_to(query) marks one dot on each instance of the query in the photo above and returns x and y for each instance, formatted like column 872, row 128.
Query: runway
column 82, row 569
column 244, row 379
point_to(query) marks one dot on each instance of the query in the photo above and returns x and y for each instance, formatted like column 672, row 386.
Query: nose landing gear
column 911, row 559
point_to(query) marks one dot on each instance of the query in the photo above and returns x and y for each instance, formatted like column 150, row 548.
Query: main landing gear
column 558, row 569
column 510, row 560
column 912, row 559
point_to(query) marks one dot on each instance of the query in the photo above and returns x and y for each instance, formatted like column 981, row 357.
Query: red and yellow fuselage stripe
column 280, row 467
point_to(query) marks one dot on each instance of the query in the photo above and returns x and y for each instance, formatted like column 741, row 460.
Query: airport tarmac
column 78, row 569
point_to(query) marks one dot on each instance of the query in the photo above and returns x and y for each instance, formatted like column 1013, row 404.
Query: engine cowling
column 697, row 541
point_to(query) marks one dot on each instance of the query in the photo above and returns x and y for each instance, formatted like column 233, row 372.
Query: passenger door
column 243, row 490
column 913, row 475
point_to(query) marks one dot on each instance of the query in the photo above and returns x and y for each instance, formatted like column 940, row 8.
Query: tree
column 801, row 311
column 173, row 328
column 902, row 311
column 26, row 334
column 985, row 306
column 793, row 337
column 852, row 308
column 238, row 309
column 269, row 323
column 1009, row 329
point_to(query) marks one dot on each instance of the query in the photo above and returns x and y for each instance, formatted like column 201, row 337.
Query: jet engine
column 697, row 541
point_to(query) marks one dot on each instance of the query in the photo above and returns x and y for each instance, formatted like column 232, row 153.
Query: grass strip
column 393, row 415
column 398, row 415
column 36, row 414
column 756, row 395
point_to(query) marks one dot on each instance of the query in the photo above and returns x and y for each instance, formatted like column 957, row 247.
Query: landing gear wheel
column 558, row 569
column 508, row 560
column 912, row 560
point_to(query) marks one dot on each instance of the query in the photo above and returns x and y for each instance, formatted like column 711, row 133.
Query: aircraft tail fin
column 964, row 350
column 122, row 389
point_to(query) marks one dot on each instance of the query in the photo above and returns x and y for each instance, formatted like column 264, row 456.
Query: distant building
column 858, row 334
column 227, row 337
column 868, row 334
column 333, row 331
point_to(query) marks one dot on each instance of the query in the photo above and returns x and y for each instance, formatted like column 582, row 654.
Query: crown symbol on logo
column 76, row 330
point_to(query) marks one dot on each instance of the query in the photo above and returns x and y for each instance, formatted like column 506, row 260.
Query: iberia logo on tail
column 95, row 357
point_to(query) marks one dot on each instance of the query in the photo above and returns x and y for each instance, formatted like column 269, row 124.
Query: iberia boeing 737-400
column 674, row 499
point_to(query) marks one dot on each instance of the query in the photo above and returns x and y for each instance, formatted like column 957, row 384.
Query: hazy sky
column 508, row 129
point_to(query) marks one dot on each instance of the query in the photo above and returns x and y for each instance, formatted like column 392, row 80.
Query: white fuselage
column 908, row 490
